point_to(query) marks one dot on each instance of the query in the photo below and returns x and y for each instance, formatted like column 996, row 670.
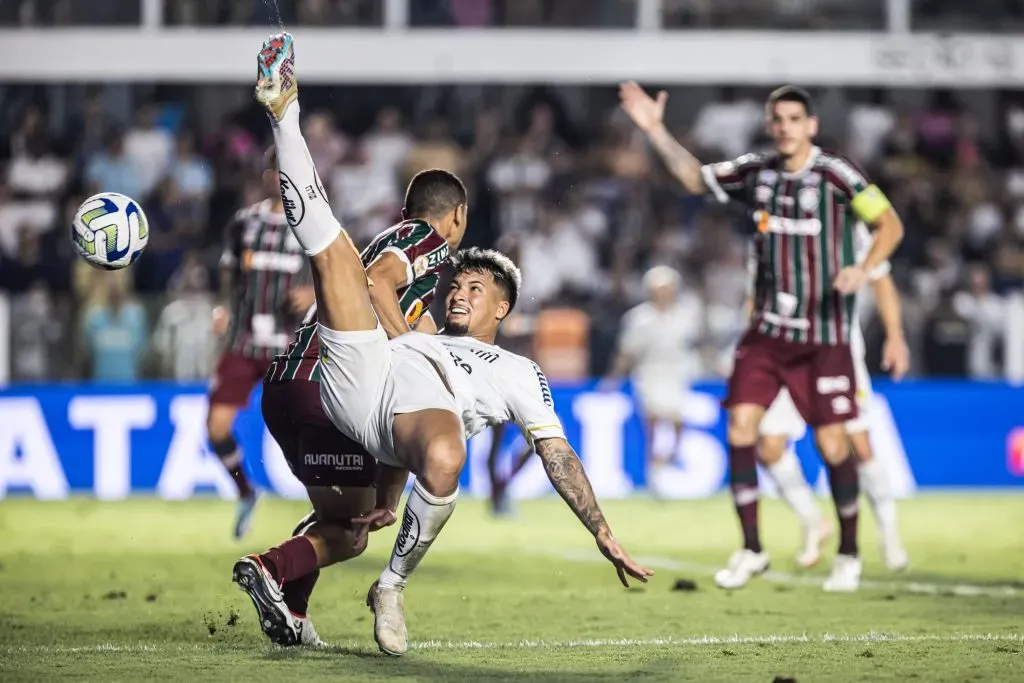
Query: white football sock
column 424, row 517
column 306, row 207
column 875, row 486
column 795, row 490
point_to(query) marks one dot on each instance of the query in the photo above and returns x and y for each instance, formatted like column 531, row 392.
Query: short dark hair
column 505, row 273
column 791, row 93
column 433, row 193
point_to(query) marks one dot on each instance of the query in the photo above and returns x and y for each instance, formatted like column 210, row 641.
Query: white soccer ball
column 110, row 230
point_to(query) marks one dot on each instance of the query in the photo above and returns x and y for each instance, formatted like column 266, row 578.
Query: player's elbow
column 890, row 225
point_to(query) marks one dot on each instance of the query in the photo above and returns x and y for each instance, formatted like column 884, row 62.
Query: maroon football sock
column 845, row 493
column 743, row 484
column 291, row 560
column 297, row 592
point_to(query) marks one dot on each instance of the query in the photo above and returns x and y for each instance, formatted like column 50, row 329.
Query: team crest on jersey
column 763, row 194
column 767, row 176
column 420, row 266
column 809, row 198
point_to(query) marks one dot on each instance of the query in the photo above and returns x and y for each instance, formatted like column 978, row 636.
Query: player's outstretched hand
column 850, row 279
column 615, row 554
column 376, row 519
column 896, row 357
column 646, row 112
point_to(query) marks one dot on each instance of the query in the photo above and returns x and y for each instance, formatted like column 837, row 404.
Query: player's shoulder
column 841, row 165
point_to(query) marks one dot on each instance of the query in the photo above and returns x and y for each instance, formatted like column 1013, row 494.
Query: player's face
column 475, row 304
column 792, row 130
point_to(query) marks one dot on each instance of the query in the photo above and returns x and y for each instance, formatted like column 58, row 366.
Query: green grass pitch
column 140, row 590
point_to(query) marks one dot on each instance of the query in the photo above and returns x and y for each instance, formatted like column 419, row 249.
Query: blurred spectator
column 174, row 226
column 149, row 147
column 190, row 172
column 114, row 333
column 327, row 145
column 985, row 311
column 35, row 334
column 728, row 125
column 435, row 149
column 111, row 170
column 387, row 145
column 519, row 177
column 870, row 123
column 183, row 339
column 947, row 334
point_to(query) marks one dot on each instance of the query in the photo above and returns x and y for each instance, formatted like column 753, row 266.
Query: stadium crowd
column 557, row 178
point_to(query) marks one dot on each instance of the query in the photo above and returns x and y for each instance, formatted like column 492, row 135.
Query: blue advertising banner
column 115, row 441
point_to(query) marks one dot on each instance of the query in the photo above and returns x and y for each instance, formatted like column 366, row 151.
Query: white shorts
column 364, row 384
column 661, row 400
column 783, row 419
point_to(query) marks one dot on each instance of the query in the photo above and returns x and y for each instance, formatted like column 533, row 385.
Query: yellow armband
column 870, row 204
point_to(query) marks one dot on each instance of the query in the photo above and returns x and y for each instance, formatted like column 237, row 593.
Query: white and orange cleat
column 814, row 537
column 276, row 84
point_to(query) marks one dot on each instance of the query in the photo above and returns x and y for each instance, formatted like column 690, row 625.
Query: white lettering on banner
column 280, row 475
column 699, row 467
column 944, row 58
column 28, row 458
column 112, row 419
column 189, row 463
column 602, row 418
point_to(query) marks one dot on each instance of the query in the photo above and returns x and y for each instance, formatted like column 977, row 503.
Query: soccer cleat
column 276, row 85
column 814, row 537
column 308, row 636
column 845, row 576
column 243, row 514
column 277, row 622
column 387, row 605
column 895, row 556
column 743, row 566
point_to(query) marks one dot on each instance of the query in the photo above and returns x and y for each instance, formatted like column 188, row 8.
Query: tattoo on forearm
column 566, row 473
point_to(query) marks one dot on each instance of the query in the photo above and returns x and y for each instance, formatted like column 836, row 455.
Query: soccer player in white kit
column 782, row 422
column 413, row 401
column 658, row 349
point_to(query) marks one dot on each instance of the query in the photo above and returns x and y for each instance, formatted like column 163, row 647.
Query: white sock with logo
column 795, row 490
column 875, row 486
column 424, row 517
column 305, row 204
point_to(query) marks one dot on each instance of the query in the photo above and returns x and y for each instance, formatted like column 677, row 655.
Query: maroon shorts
column 317, row 453
column 820, row 378
column 234, row 379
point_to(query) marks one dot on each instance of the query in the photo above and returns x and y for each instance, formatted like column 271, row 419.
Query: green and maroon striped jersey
column 805, row 224
column 423, row 251
column 265, row 261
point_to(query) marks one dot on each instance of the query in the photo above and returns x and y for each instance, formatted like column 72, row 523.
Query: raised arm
column 648, row 114
column 387, row 274
column 565, row 471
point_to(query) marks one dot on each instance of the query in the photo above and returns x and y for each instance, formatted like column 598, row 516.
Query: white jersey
column 663, row 344
column 490, row 385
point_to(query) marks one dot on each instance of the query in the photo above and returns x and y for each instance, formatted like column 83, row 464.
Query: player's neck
column 797, row 162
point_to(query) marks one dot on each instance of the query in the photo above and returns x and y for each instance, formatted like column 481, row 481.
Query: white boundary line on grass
column 957, row 589
column 449, row 645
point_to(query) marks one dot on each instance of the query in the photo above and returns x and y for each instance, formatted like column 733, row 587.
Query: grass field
column 140, row 590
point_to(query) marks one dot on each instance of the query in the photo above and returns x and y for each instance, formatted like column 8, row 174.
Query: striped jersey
column 424, row 252
column 806, row 222
column 265, row 261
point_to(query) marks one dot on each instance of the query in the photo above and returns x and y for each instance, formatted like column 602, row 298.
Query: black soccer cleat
column 276, row 621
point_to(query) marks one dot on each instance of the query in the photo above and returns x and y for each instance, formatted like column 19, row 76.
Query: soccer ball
column 109, row 230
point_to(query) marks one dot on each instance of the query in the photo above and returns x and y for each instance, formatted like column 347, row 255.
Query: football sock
column 306, row 207
column 876, row 488
column 845, row 492
column 424, row 517
column 291, row 560
column 298, row 591
column 795, row 490
column 743, row 484
column 231, row 457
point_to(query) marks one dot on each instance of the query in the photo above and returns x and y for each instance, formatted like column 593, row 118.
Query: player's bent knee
column 832, row 443
column 220, row 422
column 772, row 448
column 743, row 424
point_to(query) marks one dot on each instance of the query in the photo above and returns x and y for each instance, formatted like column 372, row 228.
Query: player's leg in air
column 781, row 424
column 354, row 353
column 229, row 394
column 873, row 479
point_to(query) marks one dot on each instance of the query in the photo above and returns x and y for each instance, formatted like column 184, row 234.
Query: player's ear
column 502, row 311
column 813, row 126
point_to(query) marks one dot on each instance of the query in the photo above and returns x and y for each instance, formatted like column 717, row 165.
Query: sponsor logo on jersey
column 272, row 260
column 801, row 227
column 763, row 194
column 339, row 461
column 833, row 385
column 294, row 204
column 545, row 388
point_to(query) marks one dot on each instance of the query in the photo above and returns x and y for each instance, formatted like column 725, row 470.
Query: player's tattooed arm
column 565, row 470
